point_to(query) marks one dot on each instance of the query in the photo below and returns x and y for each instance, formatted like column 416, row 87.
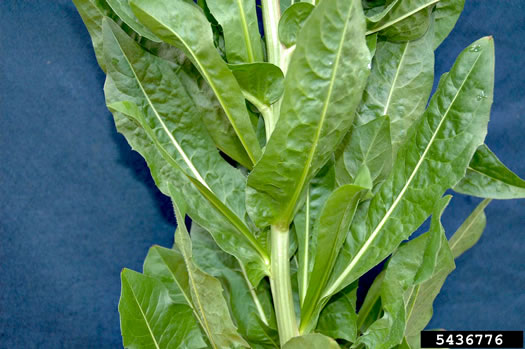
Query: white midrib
column 383, row 221
column 399, row 19
column 306, row 247
column 246, row 32
column 324, row 111
column 394, row 82
column 145, row 318
column 472, row 222
column 164, row 127
column 214, row 88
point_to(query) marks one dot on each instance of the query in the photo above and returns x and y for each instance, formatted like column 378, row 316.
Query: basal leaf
column 399, row 85
column 124, row 12
column 330, row 232
column 206, row 291
column 251, row 307
column 339, row 319
column 488, row 177
column 439, row 146
column 292, row 20
column 183, row 25
column 317, row 109
column 311, row 341
column 446, row 14
column 149, row 318
column 238, row 20
column 470, row 231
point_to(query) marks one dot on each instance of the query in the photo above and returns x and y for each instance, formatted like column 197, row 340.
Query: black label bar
column 472, row 339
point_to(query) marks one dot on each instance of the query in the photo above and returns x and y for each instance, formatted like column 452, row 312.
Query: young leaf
column 317, row 109
column 331, row 230
column 124, row 12
column 320, row 187
column 446, row 15
column 261, row 83
column 488, row 177
column 183, row 25
column 150, row 319
column 206, row 291
column 311, row 341
column 432, row 160
column 399, row 85
column 339, row 319
column 238, row 20
column 470, row 231
column 292, row 21
column 413, row 263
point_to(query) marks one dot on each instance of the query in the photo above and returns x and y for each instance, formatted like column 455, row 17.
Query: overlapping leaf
column 339, row 319
column 446, row 15
column 321, row 91
column 434, row 158
column 311, row 341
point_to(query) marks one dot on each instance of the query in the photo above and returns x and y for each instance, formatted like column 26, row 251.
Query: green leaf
column 446, row 14
column 368, row 145
column 150, row 319
column 175, row 127
column 371, row 308
column 399, row 85
column 311, row 341
column 206, row 291
column 262, row 85
column 339, row 319
column 413, row 263
column 401, row 20
column 238, row 20
column 470, row 231
column 183, row 25
column 319, row 98
column 292, row 20
column 488, row 177
column 319, row 189
column 124, row 12
column 432, row 160
column 251, row 307
column 92, row 13
column 330, row 232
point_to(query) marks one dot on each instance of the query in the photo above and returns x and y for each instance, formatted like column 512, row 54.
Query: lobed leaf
column 488, row 177
column 320, row 95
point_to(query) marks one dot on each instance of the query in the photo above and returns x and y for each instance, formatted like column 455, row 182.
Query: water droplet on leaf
column 481, row 96
column 475, row 48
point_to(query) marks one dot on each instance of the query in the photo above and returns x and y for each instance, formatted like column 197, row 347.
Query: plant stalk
column 271, row 11
column 281, row 284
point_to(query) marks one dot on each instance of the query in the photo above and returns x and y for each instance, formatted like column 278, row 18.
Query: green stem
column 281, row 284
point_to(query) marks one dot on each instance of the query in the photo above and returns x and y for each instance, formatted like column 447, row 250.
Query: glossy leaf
column 446, row 14
column 320, row 187
column 149, row 318
column 183, row 25
column 311, row 341
column 206, row 291
column 316, row 111
column 251, row 308
column 339, row 319
column 92, row 13
column 488, row 177
column 330, row 233
column 470, row 231
column 238, row 20
column 124, row 12
column 261, row 83
column 432, row 160
column 292, row 20
column 401, row 20
column 399, row 85
column 413, row 263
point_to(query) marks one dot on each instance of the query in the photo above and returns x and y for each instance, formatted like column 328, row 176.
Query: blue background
column 77, row 205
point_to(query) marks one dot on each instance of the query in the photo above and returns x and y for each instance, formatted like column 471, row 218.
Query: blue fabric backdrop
column 77, row 205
